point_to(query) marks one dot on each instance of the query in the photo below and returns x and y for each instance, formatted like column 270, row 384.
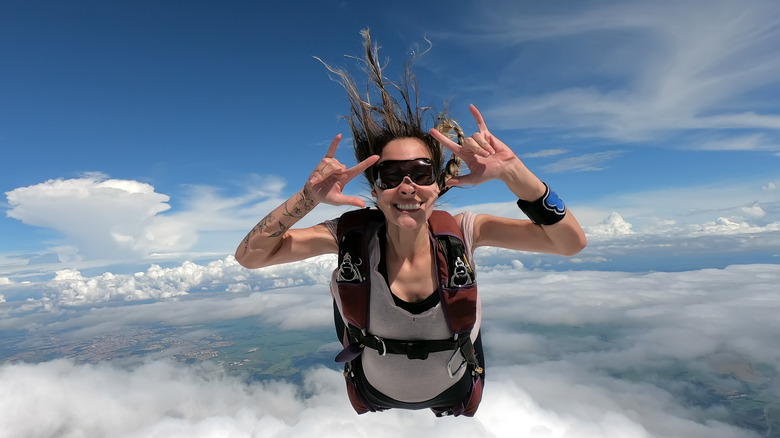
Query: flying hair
column 373, row 125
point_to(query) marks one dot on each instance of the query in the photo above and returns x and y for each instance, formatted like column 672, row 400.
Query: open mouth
column 408, row 207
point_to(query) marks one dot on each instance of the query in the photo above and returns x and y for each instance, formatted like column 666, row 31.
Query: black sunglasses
column 391, row 173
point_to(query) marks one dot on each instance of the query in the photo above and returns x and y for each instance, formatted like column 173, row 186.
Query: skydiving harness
column 457, row 291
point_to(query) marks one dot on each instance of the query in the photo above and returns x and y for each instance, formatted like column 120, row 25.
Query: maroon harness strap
column 353, row 279
column 459, row 301
column 456, row 287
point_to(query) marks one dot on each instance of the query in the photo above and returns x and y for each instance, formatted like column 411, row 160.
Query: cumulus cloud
column 691, row 206
column 102, row 216
column 613, row 225
column 109, row 219
column 70, row 287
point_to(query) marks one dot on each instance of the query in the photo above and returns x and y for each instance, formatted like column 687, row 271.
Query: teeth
column 408, row 206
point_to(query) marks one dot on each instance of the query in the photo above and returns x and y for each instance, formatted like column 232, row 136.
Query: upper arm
column 296, row 244
column 564, row 238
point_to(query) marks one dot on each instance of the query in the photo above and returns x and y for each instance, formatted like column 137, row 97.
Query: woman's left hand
column 486, row 156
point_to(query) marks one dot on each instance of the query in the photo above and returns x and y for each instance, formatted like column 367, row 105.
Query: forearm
column 565, row 236
column 267, row 236
column 521, row 181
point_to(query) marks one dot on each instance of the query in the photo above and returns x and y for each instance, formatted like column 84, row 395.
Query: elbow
column 241, row 257
column 250, row 259
column 575, row 245
column 570, row 245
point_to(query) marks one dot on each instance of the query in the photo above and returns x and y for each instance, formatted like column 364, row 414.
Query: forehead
column 404, row 149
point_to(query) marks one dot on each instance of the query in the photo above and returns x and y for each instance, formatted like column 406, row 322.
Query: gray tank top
column 395, row 375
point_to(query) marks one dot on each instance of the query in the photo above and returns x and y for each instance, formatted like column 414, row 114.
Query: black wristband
column 547, row 210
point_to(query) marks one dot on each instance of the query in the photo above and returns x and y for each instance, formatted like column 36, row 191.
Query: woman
column 405, row 292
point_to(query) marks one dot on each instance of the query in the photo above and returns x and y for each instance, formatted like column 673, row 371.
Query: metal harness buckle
column 452, row 358
column 382, row 343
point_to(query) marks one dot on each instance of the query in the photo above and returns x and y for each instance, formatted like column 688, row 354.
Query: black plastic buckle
column 416, row 350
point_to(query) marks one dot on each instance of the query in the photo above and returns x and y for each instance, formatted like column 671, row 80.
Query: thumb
column 462, row 180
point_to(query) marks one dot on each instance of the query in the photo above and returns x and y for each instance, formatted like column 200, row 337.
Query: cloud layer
column 569, row 354
column 160, row 399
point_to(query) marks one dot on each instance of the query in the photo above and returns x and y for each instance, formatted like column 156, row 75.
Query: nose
column 407, row 187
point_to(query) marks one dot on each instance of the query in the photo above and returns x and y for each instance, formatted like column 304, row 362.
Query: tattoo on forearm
column 303, row 205
column 257, row 229
column 282, row 229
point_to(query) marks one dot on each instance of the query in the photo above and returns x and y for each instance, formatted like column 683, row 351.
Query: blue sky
column 167, row 129
column 141, row 140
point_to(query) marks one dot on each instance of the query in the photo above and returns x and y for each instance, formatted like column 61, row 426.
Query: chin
column 408, row 219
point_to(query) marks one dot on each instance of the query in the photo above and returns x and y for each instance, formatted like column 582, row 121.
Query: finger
column 333, row 146
column 350, row 200
column 476, row 146
column 461, row 180
column 362, row 166
column 327, row 168
column 484, row 142
column 479, row 119
column 446, row 141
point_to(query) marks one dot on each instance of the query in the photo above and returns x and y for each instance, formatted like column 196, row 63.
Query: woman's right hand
column 327, row 181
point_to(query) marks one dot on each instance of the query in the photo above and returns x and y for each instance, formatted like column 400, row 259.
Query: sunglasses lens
column 391, row 173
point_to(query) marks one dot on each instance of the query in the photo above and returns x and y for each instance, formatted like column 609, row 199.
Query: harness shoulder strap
column 353, row 279
column 457, row 279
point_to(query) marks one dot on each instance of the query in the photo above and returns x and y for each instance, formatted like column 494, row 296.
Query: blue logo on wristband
column 553, row 203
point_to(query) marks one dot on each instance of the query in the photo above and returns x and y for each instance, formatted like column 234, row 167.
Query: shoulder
column 331, row 225
column 355, row 220
column 465, row 219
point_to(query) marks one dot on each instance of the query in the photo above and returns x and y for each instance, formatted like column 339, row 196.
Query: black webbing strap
column 414, row 349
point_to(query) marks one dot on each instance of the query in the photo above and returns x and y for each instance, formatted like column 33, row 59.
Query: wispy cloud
column 545, row 153
column 755, row 142
column 582, row 163
column 649, row 68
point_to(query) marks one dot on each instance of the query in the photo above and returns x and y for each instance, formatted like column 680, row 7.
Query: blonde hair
column 375, row 125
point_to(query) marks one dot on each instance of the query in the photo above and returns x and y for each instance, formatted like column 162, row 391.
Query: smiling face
column 407, row 205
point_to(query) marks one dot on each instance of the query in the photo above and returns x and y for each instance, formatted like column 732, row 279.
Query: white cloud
column 754, row 210
column 693, row 205
column 658, row 67
column 576, row 354
column 582, row 163
column 613, row 225
column 70, row 288
column 755, row 142
column 161, row 399
column 545, row 153
column 103, row 217
column 110, row 219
